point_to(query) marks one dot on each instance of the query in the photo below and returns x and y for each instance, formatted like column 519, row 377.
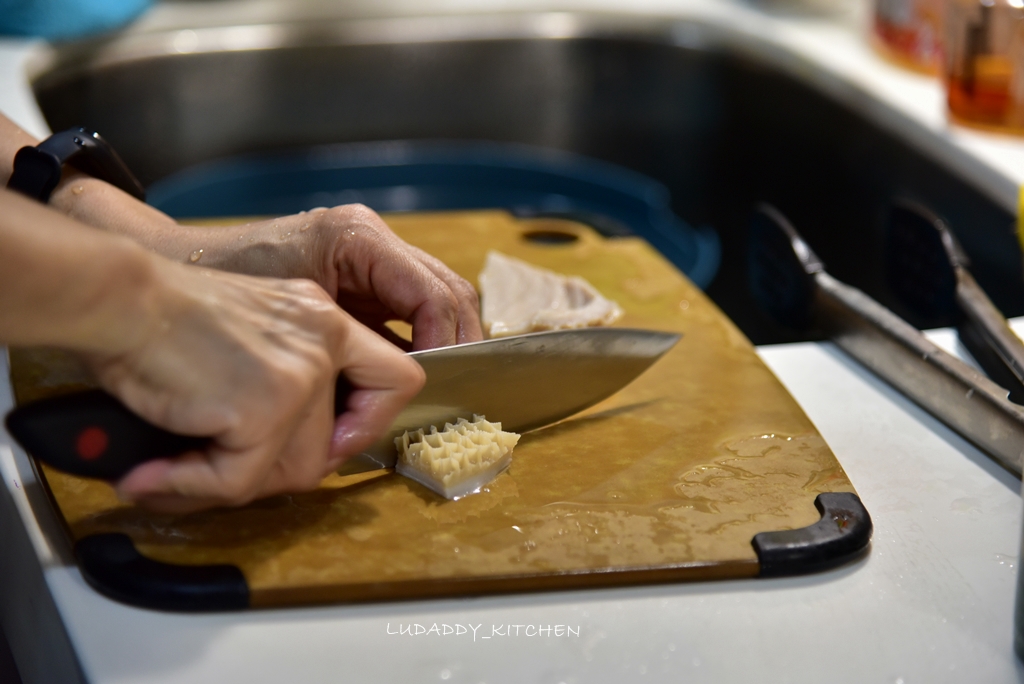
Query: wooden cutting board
column 670, row 479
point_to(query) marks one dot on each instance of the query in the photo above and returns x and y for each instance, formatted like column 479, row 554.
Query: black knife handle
column 92, row 434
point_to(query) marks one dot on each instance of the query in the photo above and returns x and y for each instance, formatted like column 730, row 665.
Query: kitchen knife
column 524, row 382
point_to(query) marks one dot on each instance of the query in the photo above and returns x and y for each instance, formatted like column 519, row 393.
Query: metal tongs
column 789, row 281
column 927, row 270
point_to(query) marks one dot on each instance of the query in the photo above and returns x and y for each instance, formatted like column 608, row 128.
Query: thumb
column 384, row 381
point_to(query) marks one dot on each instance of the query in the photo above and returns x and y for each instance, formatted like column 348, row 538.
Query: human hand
column 251, row 362
column 354, row 256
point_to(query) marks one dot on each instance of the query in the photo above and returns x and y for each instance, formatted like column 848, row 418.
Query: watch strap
column 37, row 170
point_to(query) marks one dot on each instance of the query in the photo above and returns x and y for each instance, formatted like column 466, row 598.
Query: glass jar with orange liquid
column 984, row 63
column 910, row 32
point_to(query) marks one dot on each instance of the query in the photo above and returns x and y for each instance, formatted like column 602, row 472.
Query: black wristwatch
column 37, row 170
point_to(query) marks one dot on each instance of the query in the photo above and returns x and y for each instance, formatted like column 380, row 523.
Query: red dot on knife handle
column 91, row 443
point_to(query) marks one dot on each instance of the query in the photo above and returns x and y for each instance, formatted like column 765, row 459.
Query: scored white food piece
column 518, row 298
column 459, row 460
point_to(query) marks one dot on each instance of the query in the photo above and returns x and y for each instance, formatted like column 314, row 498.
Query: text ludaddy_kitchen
column 478, row 631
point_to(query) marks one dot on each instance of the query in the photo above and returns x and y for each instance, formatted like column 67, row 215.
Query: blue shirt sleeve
column 66, row 19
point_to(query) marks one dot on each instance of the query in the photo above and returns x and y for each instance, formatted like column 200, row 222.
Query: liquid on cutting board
column 669, row 479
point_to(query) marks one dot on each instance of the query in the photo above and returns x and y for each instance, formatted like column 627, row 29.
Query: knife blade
column 525, row 382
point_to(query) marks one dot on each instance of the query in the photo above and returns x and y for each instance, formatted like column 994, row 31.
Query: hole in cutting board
column 550, row 237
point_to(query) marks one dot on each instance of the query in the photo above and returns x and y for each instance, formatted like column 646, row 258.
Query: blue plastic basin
column 437, row 176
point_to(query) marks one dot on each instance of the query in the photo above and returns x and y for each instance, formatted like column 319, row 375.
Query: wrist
column 97, row 203
column 77, row 173
column 286, row 247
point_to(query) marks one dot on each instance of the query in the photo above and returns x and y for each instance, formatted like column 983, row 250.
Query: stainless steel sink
column 685, row 103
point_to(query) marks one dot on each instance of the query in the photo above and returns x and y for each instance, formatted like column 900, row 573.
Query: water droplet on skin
column 196, row 256
column 78, row 189
column 305, row 227
column 286, row 235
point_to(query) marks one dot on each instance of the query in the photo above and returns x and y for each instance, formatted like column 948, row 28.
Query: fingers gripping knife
column 525, row 382
column 790, row 282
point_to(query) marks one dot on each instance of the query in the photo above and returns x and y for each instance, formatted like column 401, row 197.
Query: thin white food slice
column 459, row 460
column 518, row 298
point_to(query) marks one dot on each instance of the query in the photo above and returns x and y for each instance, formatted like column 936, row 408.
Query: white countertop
column 932, row 602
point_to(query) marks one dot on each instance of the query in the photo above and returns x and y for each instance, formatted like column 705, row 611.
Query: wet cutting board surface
column 667, row 480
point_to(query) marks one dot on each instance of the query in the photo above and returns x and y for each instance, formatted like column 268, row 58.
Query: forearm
column 65, row 285
column 100, row 204
column 264, row 249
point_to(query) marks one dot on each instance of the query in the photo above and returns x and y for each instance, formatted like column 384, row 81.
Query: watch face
column 36, row 173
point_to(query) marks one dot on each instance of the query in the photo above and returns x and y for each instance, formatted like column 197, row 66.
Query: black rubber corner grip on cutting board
column 113, row 566
column 840, row 536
